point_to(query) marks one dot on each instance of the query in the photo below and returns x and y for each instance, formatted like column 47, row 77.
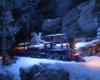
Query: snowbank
column 82, row 44
column 88, row 70
column 78, row 71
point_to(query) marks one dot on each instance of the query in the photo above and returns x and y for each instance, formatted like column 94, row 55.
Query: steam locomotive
column 55, row 47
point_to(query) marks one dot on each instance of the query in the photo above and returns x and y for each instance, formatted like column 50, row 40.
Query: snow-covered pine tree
column 6, row 20
column 36, row 38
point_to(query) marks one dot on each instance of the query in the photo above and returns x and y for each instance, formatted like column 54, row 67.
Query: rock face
column 86, row 19
column 80, row 21
column 70, row 24
column 51, row 26
column 90, row 49
column 64, row 6
column 51, row 74
column 28, row 73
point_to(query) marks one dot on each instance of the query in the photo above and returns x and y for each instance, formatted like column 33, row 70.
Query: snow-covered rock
column 43, row 66
column 28, row 73
column 90, row 49
column 80, row 21
column 52, row 74
column 70, row 24
column 8, row 76
column 51, row 26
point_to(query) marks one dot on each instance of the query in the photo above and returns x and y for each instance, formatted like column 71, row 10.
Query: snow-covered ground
column 78, row 70
column 89, row 70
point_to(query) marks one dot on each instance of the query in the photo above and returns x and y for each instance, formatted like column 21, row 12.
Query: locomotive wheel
column 56, row 56
column 32, row 56
column 38, row 56
column 26, row 54
column 48, row 55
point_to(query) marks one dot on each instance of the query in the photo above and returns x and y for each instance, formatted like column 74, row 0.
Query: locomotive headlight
column 26, row 47
column 76, row 45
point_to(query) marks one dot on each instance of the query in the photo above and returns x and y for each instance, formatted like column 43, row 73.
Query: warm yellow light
column 76, row 45
column 26, row 47
column 20, row 48
column 21, row 44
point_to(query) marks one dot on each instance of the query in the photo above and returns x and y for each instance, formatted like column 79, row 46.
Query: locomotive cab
column 52, row 51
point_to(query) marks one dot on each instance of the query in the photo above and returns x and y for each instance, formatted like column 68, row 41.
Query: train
column 55, row 47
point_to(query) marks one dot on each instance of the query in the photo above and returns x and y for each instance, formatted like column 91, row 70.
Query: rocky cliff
column 80, row 21
column 51, row 26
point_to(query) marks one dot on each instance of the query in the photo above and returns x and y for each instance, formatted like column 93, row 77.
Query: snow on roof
column 55, row 34
column 31, row 46
column 47, row 42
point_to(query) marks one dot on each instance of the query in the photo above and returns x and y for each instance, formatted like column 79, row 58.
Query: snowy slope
column 89, row 70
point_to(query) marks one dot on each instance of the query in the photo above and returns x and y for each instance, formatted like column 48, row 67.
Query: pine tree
column 6, row 19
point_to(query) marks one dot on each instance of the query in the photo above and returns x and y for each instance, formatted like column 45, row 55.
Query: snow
column 82, row 44
column 81, row 71
column 49, row 19
column 23, row 62
column 89, row 70
column 56, row 34
column 98, row 29
column 40, row 45
column 64, row 44
column 78, row 70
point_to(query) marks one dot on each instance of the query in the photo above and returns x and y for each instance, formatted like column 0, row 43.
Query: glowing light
column 20, row 48
column 21, row 44
column 26, row 47
column 64, row 44
column 58, row 45
column 76, row 45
